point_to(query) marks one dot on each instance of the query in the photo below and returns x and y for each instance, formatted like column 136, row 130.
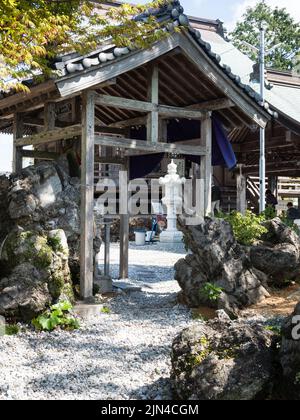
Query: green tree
column 33, row 32
column 281, row 29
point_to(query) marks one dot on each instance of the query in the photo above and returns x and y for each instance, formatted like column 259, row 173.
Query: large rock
column 37, row 273
column 279, row 254
column 44, row 197
column 217, row 258
column 223, row 360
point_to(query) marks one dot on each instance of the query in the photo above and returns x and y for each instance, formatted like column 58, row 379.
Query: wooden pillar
column 241, row 184
column 153, row 96
column 206, row 166
column 124, row 231
column 49, row 123
column 18, row 131
column 273, row 185
column 87, row 196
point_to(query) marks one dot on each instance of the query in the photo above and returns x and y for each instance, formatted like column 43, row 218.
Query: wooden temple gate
column 174, row 80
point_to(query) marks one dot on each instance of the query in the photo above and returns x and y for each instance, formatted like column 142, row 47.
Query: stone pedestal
column 171, row 237
column 173, row 201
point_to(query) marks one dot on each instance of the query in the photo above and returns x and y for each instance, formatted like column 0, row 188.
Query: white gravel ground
column 121, row 355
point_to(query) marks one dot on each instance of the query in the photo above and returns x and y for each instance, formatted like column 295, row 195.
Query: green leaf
column 45, row 323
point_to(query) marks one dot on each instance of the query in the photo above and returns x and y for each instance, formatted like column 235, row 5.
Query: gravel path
column 121, row 355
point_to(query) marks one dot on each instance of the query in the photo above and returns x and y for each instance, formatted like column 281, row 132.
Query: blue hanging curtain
column 222, row 151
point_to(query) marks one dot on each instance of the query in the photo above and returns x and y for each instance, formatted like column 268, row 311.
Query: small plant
column 247, row 229
column 12, row 329
column 105, row 310
column 276, row 329
column 57, row 316
column 269, row 213
column 297, row 379
column 211, row 292
column 55, row 244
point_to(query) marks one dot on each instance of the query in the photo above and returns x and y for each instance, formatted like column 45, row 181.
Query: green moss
column 227, row 354
column 68, row 293
column 28, row 247
column 12, row 329
column 55, row 244
column 193, row 360
column 56, row 285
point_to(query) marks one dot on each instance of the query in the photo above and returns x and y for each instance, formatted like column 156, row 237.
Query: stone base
column 171, row 237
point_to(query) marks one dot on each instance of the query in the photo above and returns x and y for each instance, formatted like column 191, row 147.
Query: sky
column 229, row 11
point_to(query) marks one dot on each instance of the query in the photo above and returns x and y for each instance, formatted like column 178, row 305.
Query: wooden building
column 101, row 100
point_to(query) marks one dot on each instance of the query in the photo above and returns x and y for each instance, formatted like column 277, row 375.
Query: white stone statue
column 173, row 201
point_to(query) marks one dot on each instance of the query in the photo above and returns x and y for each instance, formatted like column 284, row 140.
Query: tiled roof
column 173, row 15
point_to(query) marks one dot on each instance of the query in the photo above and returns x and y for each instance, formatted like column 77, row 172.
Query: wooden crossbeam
column 149, row 147
column 143, row 106
column 36, row 154
column 213, row 105
column 50, row 136
column 253, row 146
column 109, row 161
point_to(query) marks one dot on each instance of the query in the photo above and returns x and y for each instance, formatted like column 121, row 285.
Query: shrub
column 247, row 229
column 210, row 292
column 57, row 316
column 269, row 213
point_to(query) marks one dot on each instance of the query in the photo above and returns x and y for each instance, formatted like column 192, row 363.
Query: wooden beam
column 50, row 136
column 149, row 147
column 274, row 167
column 143, row 106
column 271, row 143
column 153, row 97
column 241, row 183
column 87, row 196
column 18, row 130
column 206, row 166
column 166, row 111
column 34, row 92
column 124, row 231
column 214, row 105
column 37, row 122
column 49, row 116
column 109, row 160
column 36, row 154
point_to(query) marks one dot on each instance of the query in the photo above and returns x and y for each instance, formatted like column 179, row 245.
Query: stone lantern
column 173, row 201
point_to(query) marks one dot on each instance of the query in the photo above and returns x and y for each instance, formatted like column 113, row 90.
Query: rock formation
column 278, row 256
column 223, row 360
column 39, row 238
column 218, row 259
column 238, row 360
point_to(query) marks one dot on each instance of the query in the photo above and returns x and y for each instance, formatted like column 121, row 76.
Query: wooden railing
column 289, row 187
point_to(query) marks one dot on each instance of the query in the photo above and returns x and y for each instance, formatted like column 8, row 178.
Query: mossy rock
column 27, row 246
column 37, row 270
